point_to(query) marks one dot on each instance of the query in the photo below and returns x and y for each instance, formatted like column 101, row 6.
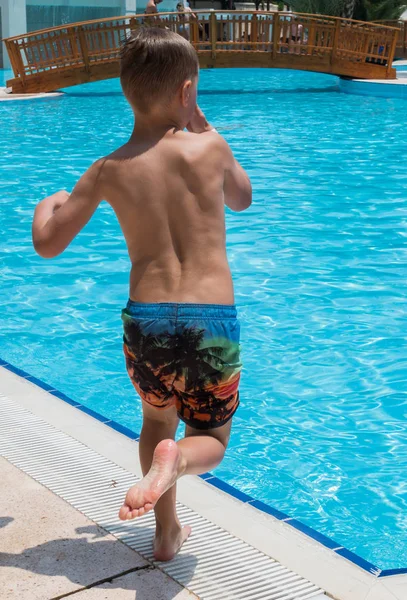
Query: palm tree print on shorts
column 186, row 368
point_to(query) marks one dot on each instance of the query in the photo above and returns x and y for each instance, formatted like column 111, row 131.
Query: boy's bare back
column 168, row 197
column 168, row 193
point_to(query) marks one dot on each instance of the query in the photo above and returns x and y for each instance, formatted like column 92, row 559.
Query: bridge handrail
column 308, row 16
column 312, row 38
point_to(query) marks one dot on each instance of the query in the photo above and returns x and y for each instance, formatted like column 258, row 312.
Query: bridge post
column 84, row 48
column 335, row 40
column 276, row 33
column 195, row 32
column 214, row 33
column 311, row 38
column 392, row 52
column 254, row 32
column 16, row 62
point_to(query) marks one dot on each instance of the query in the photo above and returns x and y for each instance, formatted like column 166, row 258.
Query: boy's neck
column 151, row 126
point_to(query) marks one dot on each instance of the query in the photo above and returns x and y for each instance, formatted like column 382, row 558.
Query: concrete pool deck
column 75, row 544
column 62, row 552
column 6, row 96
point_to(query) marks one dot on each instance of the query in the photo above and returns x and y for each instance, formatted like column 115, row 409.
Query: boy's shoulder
column 204, row 148
column 209, row 144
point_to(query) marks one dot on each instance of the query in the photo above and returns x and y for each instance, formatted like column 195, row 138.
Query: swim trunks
column 187, row 356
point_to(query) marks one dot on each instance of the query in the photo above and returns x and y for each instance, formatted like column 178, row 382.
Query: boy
column 168, row 188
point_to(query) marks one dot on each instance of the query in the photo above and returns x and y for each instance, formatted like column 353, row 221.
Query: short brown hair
column 154, row 64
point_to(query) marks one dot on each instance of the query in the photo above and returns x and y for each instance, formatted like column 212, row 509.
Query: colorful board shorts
column 187, row 356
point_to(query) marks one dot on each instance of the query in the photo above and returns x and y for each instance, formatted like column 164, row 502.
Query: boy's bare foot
column 164, row 471
column 167, row 546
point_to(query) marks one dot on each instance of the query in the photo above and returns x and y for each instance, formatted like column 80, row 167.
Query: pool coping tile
column 390, row 572
column 274, row 512
column 93, row 413
column 124, row 430
column 358, row 560
column 210, row 479
column 206, row 476
column 41, row 384
column 316, row 535
column 65, row 398
column 229, row 489
column 16, row 370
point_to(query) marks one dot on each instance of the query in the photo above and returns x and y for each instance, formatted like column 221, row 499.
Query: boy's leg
column 203, row 450
column 158, row 425
column 163, row 462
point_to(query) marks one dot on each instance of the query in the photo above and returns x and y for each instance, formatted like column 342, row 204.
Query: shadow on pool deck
column 54, row 559
column 49, row 550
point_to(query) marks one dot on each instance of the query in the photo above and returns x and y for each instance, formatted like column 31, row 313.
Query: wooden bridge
column 77, row 53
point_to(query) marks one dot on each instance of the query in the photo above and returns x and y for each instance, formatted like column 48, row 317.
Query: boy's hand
column 198, row 122
column 49, row 206
column 58, row 200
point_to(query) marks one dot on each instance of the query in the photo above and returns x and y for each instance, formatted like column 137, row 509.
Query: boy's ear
column 186, row 90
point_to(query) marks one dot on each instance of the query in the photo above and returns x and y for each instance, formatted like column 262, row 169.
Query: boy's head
column 159, row 68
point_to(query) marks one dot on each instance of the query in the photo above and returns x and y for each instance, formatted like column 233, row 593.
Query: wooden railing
column 80, row 52
column 401, row 46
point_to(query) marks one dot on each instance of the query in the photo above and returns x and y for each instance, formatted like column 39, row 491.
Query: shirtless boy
column 168, row 188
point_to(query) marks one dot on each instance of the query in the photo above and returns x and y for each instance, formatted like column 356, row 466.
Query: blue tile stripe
column 320, row 537
column 219, row 483
column 357, row 560
column 93, row 413
column 270, row 510
column 124, row 430
column 229, row 489
column 389, row 572
column 65, row 398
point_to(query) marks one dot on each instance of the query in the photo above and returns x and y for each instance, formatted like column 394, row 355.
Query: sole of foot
column 165, row 469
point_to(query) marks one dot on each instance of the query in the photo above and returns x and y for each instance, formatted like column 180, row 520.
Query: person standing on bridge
column 184, row 15
column 168, row 188
column 151, row 7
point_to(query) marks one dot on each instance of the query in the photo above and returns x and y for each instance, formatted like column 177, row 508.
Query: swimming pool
column 320, row 276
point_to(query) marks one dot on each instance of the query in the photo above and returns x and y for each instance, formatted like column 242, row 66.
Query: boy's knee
column 222, row 434
column 153, row 415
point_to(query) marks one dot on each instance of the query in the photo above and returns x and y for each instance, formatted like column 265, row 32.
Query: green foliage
column 363, row 10
column 379, row 10
column 322, row 7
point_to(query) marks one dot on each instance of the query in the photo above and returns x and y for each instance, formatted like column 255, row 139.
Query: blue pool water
column 319, row 265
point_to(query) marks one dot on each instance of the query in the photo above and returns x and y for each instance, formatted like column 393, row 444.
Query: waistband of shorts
column 172, row 310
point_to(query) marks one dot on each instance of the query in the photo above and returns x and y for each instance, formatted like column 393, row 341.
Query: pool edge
column 220, row 484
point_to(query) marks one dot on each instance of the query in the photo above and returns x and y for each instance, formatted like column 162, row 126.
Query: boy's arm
column 60, row 217
column 237, row 188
